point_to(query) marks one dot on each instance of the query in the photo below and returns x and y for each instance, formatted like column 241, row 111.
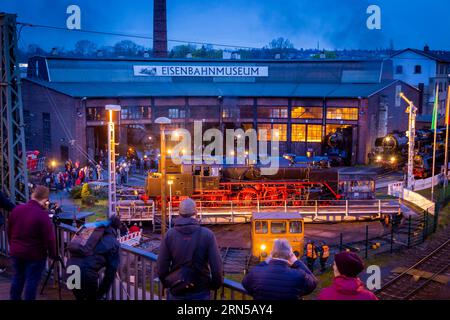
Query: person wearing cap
column 189, row 243
column 281, row 277
column 346, row 284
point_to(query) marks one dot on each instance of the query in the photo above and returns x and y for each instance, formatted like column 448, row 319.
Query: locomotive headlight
column 379, row 158
column 393, row 160
column 263, row 247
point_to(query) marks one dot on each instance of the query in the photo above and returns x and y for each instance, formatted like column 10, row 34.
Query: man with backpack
column 189, row 263
column 92, row 249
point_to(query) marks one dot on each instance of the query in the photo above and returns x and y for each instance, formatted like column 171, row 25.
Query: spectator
column 190, row 248
column 134, row 228
column 324, row 254
column 105, row 255
column 281, row 277
column 6, row 205
column 311, row 255
column 32, row 239
column 346, row 284
column 123, row 229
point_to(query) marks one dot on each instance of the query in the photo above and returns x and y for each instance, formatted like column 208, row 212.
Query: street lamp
column 412, row 110
column 111, row 160
column 170, row 183
column 163, row 121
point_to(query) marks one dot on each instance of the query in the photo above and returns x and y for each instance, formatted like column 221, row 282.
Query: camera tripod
column 57, row 262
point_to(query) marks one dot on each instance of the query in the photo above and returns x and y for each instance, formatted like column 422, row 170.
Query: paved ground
column 50, row 291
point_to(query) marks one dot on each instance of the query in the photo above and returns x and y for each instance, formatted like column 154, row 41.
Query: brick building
column 64, row 101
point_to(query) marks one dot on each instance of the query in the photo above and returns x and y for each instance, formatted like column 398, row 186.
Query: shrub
column 75, row 193
column 100, row 193
column 89, row 200
column 85, row 191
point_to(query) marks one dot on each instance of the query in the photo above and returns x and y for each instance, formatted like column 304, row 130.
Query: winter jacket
column 106, row 255
column 277, row 280
column 206, row 260
column 30, row 232
column 345, row 288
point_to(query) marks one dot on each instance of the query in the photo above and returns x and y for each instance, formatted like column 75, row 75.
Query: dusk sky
column 334, row 24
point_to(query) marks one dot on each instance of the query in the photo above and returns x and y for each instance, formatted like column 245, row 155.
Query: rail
column 137, row 277
column 313, row 210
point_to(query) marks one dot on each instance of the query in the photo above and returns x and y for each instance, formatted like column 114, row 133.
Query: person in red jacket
column 32, row 240
column 346, row 284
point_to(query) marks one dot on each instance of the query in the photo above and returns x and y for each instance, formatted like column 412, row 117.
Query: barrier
column 398, row 190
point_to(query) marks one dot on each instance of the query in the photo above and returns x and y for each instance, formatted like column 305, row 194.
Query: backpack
column 84, row 242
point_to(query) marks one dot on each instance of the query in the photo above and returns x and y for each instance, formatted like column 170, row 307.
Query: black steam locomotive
column 391, row 152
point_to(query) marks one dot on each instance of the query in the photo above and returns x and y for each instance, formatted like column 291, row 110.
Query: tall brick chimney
column 159, row 29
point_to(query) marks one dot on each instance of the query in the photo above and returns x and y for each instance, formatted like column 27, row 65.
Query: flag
column 447, row 108
column 434, row 122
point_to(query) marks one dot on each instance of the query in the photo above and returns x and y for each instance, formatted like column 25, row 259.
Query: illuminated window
column 177, row 113
column 261, row 227
column 272, row 112
column 332, row 128
column 295, row 227
column 266, row 127
column 230, row 112
column 306, row 113
column 314, row 133
column 342, row 113
column 278, row 227
column 298, row 132
column 282, row 130
column 278, row 113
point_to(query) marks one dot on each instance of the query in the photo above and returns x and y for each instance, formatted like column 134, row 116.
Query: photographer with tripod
column 32, row 240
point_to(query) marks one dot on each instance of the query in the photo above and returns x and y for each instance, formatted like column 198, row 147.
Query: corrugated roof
column 213, row 89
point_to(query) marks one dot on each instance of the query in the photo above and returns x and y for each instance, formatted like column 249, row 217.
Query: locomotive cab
column 269, row 226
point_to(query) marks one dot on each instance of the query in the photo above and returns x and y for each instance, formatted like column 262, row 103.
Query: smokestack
column 159, row 29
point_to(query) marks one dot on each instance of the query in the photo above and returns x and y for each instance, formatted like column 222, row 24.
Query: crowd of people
column 189, row 263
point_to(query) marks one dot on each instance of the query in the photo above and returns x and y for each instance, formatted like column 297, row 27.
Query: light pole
column 111, row 160
column 412, row 110
column 170, row 183
column 163, row 121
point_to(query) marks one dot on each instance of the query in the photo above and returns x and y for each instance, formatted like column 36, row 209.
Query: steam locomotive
column 337, row 147
column 244, row 184
column 391, row 152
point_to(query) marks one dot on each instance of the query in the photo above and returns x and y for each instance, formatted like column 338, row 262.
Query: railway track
column 408, row 285
column 235, row 260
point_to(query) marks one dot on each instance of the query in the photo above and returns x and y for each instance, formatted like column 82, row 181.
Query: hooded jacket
column 345, row 288
column 206, row 259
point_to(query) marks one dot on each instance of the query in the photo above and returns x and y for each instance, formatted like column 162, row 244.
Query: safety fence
column 137, row 277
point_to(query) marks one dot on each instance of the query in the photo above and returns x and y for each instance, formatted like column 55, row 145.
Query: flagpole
column 434, row 124
column 447, row 121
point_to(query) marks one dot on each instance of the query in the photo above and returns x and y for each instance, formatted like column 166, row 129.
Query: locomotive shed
column 333, row 108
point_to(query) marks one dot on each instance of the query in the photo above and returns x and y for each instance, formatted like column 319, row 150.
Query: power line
column 26, row 24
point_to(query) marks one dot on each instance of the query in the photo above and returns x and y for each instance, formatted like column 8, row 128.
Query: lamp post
column 412, row 110
column 163, row 121
column 111, row 160
column 170, row 183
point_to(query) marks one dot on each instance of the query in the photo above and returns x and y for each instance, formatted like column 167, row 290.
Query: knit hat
column 187, row 208
column 349, row 264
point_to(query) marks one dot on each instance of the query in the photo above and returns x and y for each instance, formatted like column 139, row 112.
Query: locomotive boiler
column 244, row 184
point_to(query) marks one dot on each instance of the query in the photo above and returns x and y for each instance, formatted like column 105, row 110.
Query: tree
column 182, row 51
column 281, row 43
column 85, row 48
column 126, row 48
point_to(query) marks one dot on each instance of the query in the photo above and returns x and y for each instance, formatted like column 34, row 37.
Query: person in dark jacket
column 346, row 284
column 281, row 277
column 188, row 236
column 106, row 255
column 32, row 240
column 5, row 205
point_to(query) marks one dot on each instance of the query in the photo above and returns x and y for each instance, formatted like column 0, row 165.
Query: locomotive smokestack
column 159, row 29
